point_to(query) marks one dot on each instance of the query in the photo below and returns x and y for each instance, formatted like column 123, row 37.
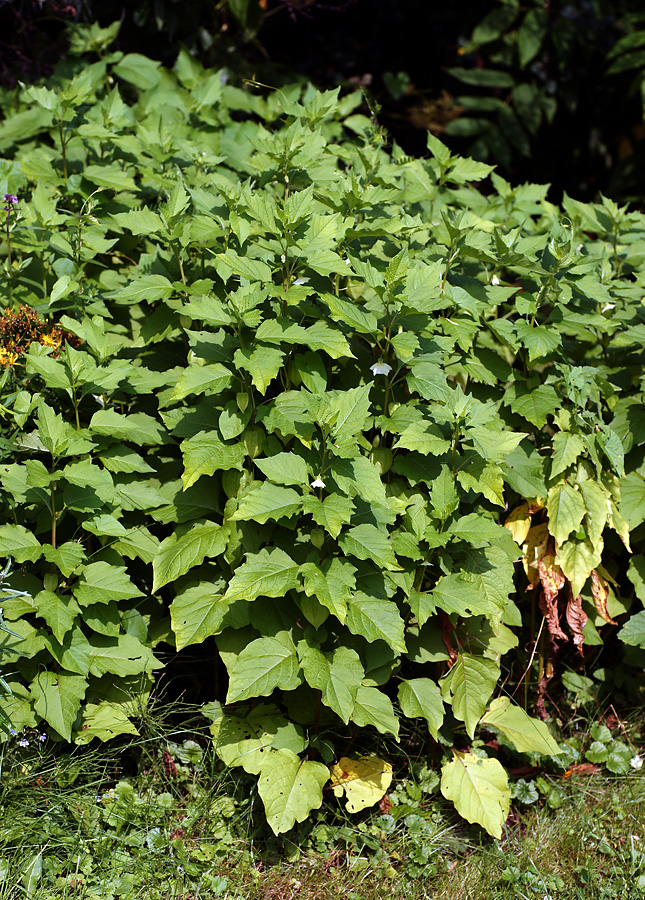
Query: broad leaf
column 363, row 781
column 479, row 789
column 269, row 573
column 269, row 501
column 528, row 735
column 336, row 674
column 369, row 542
column 101, row 582
column 245, row 740
column 19, row 543
column 263, row 665
column 177, row 555
column 376, row 619
column 566, row 509
column 290, row 788
column 332, row 583
column 57, row 698
column 373, row 707
column 197, row 613
column 205, row 453
column 421, row 698
column 468, row 686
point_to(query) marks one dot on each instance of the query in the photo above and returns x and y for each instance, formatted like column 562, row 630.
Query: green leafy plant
column 320, row 399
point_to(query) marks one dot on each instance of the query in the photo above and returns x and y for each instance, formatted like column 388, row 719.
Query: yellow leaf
column 519, row 523
column 363, row 781
column 534, row 548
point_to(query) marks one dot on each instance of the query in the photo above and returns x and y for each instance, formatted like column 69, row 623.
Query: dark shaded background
column 595, row 142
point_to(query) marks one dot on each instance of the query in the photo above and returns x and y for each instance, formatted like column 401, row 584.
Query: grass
column 161, row 820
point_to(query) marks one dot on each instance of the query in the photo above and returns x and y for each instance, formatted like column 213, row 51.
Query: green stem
column 54, row 516
column 9, row 266
column 451, row 256
column 75, row 401
column 63, row 147
column 180, row 264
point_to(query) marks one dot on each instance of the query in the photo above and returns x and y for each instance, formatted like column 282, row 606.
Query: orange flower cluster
column 18, row 328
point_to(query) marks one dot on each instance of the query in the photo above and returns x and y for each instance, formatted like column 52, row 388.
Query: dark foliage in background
column 561, row 111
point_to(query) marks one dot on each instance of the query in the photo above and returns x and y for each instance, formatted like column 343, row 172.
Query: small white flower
column 348, row 262
column 494, row 280
column 318, row 483
column 283, row 258
column 579, row 247
column 608, row 306
column 301, row 281
column 636, row 762
column 381, row 368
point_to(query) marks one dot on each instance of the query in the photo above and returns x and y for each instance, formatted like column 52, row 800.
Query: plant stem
column 54, row 516
column 9, row 267
column 63, row 147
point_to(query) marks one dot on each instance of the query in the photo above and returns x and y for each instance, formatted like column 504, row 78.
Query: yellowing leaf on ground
column 363, row 781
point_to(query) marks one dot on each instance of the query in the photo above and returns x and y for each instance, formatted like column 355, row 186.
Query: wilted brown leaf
column 600, row 592
column 552, row 582
column 576, row 619
column 519, row 523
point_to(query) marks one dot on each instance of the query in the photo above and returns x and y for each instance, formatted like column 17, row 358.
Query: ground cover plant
column 376, row 432
column 160, row 817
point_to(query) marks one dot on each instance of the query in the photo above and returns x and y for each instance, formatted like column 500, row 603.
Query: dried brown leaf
column 576, row 619
column 552, row 581
column 600, row 592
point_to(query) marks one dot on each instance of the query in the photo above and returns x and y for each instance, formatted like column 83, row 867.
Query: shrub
column 319, row 400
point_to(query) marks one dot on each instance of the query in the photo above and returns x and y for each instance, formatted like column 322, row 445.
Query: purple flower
column 10, row 198
column 23, row 743
column 42, row 738
column 13, row 731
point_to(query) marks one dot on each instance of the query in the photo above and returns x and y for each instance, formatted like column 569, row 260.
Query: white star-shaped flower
column 494, row 280
column 301, row 281
column 636, row 762
column 381, row 368
column 318, row 483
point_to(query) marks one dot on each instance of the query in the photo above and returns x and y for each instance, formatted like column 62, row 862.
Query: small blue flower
column 13, row 731
column 42, row 738
column 23, row 743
